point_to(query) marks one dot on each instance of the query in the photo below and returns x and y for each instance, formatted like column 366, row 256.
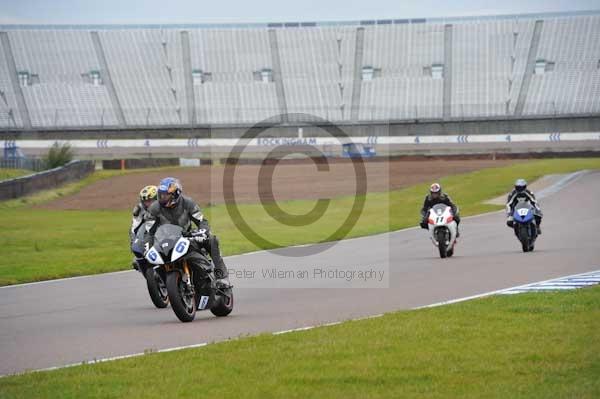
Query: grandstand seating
column 573, row 44
column 146, row 69
column 317, row 65
column 61, row 97
column 8, row 103
column 491, row 58
column 231, row 57
column 486, row 68
column 402, row 91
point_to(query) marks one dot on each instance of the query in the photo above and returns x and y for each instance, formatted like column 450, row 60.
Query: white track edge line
column 305, row 328
column 489, row 293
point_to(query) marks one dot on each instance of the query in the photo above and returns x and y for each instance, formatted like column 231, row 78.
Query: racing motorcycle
column 189, row 287
column 155, row 280
column 442, row 228
column 524, row 225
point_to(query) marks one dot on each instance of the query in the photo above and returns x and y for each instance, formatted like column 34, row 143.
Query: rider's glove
column 199, row 235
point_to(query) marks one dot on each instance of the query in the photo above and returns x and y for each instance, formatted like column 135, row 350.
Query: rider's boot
column 221, row 274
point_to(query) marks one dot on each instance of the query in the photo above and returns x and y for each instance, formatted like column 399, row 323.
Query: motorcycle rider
column 148, row 195
column 174, row 208
column 434, row 197
column 521, row 192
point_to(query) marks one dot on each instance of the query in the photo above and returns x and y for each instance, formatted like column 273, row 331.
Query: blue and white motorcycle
column 524, row 225
column 155, row 279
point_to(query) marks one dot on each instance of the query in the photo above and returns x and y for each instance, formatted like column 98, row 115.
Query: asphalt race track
column 68, row 321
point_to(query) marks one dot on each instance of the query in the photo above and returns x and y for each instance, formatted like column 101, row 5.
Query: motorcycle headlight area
column 154, row 257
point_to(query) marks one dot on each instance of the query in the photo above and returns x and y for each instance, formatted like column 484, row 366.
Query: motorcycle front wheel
column 441, row 239
column 157, row 289
column 183, row 303
column 523, row 234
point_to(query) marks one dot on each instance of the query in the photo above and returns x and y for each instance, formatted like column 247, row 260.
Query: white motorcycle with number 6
column 443, row 229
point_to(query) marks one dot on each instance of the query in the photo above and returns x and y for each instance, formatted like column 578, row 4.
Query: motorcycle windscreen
column 164, row 239
column 439, row 209
column 437, row 214
column 168, row 231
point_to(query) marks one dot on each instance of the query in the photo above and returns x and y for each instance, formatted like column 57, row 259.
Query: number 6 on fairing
column 181, row 248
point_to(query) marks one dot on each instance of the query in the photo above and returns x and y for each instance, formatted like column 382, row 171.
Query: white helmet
column 435, row 190
column 520, row 185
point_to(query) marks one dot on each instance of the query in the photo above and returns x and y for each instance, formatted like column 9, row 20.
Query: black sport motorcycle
column 190, row 287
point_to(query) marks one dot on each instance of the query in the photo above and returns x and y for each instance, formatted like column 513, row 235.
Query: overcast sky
column 222, row 11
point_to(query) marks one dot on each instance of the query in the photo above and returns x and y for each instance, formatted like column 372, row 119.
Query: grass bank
column 68, row 189
column 43, row 244
column 6, row 174
column 512, row 346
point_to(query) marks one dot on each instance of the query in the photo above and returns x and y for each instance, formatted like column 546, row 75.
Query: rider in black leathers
column 520, row 192
column 174, row 208
column 437, row 196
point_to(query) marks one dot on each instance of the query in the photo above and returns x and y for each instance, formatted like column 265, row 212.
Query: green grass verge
column 6, row 174
column 42, row 244
column 514, row 346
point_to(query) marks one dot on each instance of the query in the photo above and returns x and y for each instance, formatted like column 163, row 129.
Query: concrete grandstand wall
column 391, row 128
column 268, row 146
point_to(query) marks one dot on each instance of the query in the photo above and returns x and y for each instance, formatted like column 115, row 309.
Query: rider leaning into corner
column 520, row 192
column 434, row 197
column 174, row 208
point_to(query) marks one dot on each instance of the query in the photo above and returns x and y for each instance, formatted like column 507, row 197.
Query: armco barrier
column 140, row 163
column 21, row 186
